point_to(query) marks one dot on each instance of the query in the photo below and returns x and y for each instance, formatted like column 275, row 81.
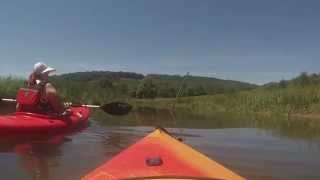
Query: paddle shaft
column 83, row 105
column 113, row 108
column 90, row 106
column 8, row 100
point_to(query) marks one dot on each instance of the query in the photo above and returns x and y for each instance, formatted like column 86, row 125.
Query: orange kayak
column 160, row 156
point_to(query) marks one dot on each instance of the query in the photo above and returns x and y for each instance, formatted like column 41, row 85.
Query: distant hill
column 209, row 84
column 295, row 98
column 97, row 75
column 128, row 84
column 304, row 79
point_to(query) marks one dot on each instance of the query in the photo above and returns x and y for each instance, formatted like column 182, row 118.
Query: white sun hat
column 41, row 68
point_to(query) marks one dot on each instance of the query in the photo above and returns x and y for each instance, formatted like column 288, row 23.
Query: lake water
column 264, row 148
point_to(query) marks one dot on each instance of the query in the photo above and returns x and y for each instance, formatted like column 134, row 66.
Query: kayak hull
column 21, row 123
column 160, row 156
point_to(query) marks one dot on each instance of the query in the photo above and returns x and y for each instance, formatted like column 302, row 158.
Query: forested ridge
column 98, row 86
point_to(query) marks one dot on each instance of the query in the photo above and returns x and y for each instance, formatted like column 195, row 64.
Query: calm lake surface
column 255, row 148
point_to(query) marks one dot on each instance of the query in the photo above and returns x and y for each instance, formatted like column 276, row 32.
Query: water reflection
column 166, row 118
column 279, row 125
column 255, row 147
column 37, row 154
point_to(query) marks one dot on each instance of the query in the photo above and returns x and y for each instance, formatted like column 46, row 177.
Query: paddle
column 113, row 108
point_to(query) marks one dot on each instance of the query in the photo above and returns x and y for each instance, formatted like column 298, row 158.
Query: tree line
column 99, row 86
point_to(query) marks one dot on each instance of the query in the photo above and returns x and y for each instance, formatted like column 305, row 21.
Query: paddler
column 45, row 94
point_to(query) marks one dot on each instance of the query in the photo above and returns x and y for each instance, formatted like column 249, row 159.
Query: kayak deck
column 22, row 122
column 160, row 156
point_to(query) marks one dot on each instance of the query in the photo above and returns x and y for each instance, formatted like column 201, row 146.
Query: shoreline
column 206, row 108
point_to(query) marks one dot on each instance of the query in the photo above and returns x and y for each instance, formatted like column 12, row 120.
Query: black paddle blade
column 117, row 108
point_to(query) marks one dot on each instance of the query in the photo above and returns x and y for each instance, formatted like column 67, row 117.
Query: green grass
column 75, row 91
column 9, row 86
column 290, row 97
column 293, row 99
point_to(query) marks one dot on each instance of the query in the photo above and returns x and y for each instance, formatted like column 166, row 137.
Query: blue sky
column 254, row 41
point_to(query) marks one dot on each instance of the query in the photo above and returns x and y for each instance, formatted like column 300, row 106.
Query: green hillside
column 101, row 86
column 193, row 84
column 125, row 84
column 199, row 94
column 299, row 96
